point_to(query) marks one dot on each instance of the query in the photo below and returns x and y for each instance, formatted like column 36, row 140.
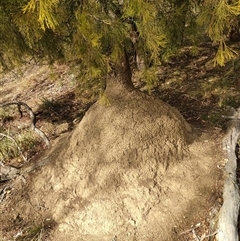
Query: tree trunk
column 123, row 72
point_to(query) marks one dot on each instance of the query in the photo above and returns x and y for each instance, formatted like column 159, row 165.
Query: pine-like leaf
column 45, row 10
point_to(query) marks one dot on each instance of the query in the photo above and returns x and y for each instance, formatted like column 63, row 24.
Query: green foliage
column 224, row 54
column 27, row 140
column 149, row 75
column 36, row 231
column 45, row 9
column 217, row 16
column 96, row 33
column 89, row 89
column 103, row 99
column 214, row 119
column 49, row 105
column 8, row 149
column 150, row 37
column 4, row 113
column 32, row 233
column 13, row 46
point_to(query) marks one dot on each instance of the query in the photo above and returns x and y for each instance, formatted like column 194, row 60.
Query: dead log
column 228, row 216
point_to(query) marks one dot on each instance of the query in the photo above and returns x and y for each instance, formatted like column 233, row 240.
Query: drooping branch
column 32, row 116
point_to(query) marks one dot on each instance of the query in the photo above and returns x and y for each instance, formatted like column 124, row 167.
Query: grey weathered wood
column 228, row 216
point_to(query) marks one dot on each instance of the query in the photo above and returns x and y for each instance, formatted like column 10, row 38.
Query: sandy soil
column 88, row 189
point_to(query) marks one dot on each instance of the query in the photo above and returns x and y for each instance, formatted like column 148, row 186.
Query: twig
column 15, row 142
column 191, row 229
column 231, row 117
column 209, row 235
column 100, row 20
column 32, row 116
column 195, row 235
column 3, row 192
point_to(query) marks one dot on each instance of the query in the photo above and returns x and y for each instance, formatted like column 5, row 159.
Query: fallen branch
column 32, row 116
column 229, row 212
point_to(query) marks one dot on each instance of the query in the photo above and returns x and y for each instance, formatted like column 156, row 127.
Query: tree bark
column 123, row 72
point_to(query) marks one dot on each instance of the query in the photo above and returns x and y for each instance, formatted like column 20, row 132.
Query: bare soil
column 91, row 189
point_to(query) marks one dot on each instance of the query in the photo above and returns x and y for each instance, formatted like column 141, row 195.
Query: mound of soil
column 132, row 169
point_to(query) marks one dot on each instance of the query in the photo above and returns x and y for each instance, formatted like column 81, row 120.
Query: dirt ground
column 63, row 199
column 167, row 208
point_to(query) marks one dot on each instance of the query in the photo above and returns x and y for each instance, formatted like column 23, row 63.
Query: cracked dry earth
column 132, row 169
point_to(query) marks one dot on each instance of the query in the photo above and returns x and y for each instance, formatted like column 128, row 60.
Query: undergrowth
column 36, row 232
column 15, row 142
column 19, row 145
